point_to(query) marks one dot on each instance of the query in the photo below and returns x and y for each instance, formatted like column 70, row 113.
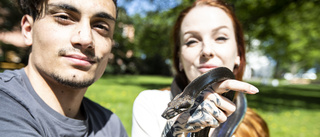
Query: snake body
column 185, row 100
column 227, row 128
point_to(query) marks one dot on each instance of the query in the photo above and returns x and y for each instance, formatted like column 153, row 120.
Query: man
column 71, row 41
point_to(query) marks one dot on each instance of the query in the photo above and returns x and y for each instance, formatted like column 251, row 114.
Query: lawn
column 290, row 110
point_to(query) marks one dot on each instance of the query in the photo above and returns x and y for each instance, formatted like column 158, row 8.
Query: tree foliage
column 288, row 31
column 9, row 15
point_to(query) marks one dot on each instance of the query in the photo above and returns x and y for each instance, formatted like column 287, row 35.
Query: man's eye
column 101, row 28
column 63, row 19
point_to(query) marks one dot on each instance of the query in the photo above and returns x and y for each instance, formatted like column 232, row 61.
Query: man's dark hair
column 35, row 8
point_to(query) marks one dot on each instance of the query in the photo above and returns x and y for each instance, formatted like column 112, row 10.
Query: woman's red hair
column 252, row 125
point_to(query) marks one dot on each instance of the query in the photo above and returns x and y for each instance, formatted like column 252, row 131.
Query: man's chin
column 73, row 82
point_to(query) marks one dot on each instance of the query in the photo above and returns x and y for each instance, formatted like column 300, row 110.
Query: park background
column 283, row 57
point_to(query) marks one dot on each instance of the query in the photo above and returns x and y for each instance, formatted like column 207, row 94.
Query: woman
column 206, row 35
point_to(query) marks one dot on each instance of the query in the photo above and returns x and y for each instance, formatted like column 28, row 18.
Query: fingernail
column 254, row 90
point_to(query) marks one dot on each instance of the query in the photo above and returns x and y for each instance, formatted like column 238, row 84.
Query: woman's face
column 207, row 41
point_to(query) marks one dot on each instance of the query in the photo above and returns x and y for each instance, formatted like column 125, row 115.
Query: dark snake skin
column 183, row 101
column 228, row 128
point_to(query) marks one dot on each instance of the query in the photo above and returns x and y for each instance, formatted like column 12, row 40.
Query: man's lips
column 80, row 58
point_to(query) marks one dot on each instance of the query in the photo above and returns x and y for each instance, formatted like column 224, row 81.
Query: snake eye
column 182, row 110
column 184, row 106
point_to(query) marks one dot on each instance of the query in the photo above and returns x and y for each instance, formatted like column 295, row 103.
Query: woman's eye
column 191, row 42
column 222, row 39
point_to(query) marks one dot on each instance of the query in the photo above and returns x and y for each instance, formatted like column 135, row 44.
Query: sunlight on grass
column 289, row 110
column 292, row 123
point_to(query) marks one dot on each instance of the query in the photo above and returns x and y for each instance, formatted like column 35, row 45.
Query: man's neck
column 63, row 99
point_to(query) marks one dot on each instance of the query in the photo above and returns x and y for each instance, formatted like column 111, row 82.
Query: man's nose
column 83, row 35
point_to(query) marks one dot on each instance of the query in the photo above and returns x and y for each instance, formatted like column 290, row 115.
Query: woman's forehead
column 206, row 16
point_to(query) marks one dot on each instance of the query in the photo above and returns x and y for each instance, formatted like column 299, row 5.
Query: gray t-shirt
column 24, row 113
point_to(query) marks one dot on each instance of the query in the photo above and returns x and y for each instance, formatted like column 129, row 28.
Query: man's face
column 72, row 41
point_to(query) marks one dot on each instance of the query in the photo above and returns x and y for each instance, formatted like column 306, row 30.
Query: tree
column 9, row 15
column 10, row 21
column 152, row 38
column 288, row 30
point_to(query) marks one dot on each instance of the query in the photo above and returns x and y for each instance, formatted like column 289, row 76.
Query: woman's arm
column 147, row 109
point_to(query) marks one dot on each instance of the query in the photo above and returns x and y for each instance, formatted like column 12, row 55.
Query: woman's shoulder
column 155, row 92
column 153, row 96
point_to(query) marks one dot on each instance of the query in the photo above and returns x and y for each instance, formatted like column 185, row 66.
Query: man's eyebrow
column 65, row 6
column 104, row 15
column 74, row 9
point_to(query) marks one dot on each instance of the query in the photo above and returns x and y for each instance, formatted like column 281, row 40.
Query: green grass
column 289, row 110
column 117, row 93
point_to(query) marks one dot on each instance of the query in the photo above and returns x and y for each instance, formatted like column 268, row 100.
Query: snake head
column 176, row 107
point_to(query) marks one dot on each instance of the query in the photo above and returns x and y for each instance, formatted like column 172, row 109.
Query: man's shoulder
column 11, row 77
column 8, row 75
column 14, row 106
column 13, row 89
column 11, row 80
column 103, row 120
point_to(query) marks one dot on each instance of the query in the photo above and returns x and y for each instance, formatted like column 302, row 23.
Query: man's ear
column 26, row 29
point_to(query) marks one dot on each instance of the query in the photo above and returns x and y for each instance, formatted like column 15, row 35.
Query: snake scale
column 185, row 100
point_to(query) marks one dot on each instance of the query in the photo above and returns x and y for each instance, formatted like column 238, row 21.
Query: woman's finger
column 234, row 85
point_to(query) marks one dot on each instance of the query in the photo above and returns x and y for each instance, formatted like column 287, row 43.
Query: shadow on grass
column 285, row 97
column 146, row 82
column 155, row 86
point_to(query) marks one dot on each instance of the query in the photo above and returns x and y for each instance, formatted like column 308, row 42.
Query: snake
column 185, row 100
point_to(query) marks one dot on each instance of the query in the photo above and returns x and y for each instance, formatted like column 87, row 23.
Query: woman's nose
column 207, row 50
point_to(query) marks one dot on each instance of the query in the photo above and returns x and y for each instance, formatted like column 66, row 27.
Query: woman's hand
column 210, row 109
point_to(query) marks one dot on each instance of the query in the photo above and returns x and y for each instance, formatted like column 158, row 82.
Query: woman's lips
column 206, row 68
